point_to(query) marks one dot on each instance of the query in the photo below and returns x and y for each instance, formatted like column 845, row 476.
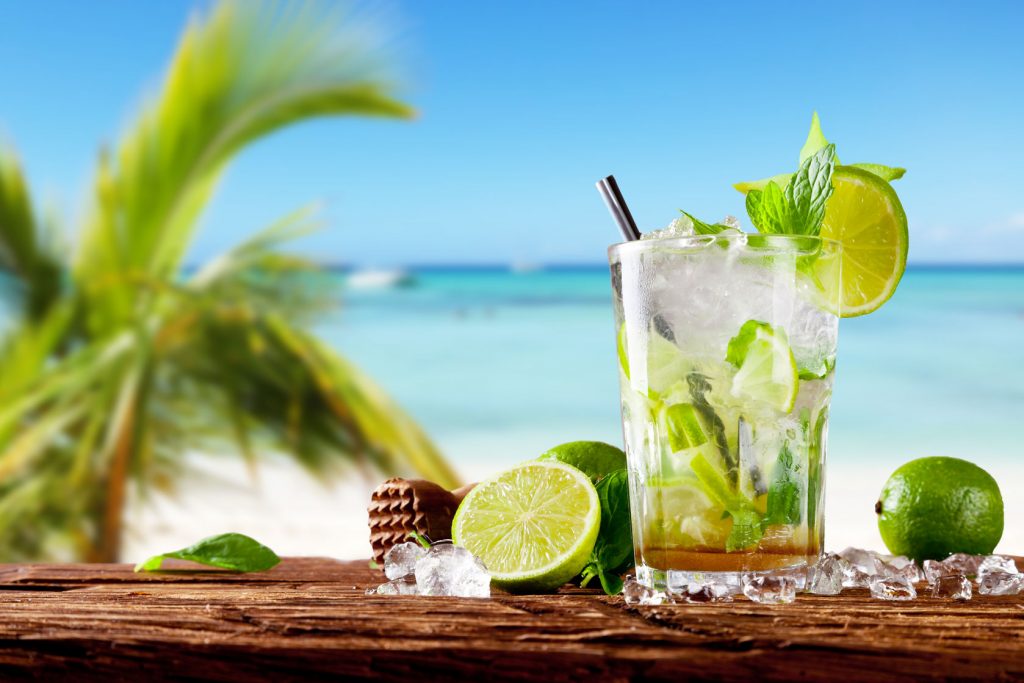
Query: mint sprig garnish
column 800, row 208
column 816, row 141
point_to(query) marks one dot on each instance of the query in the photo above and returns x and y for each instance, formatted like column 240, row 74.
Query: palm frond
column 24, row 254
column 246, row 71
column 120, row 364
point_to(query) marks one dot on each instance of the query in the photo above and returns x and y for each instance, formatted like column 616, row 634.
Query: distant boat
column 380, row 279
column 524, row 267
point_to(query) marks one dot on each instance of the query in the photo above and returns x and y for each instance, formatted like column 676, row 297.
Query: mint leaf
column 886, row 173
column 419, row 538
column 611, row 583
column 736, row 351
column 767, row 209
column 699, row 386
column 613, row 552
column 821, row 372
column 702, row 228
column 808, row 192
column 746, row 529
column 236, row 552
column 784, row 492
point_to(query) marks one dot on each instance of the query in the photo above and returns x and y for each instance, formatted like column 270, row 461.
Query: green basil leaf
column 236, row 552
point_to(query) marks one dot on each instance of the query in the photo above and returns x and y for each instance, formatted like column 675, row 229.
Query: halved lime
column 534, row 526
column 866, row 216
column 767, row 369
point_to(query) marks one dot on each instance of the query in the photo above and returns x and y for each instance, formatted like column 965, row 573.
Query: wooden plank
column 310, row 617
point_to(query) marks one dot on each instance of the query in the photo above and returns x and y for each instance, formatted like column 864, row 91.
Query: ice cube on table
column 862, row 567
column 996, row 563
column 934, row 570
column 405, row 585
column 963, row 563
column 446, row 569
column 770, row 589
column 900, row 565
column 894, row 587
column 954, row 586
column 867, row 561
column 400, row 560
column 636, row 593
column 1000, row 583
column 826, row 576
column 707, row 592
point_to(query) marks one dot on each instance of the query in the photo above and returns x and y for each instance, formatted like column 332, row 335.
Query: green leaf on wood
column 233, row 551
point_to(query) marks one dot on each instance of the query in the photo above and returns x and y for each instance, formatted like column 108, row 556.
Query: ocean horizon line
column 518, row 267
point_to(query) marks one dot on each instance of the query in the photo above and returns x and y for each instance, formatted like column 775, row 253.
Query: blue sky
column 525, row 104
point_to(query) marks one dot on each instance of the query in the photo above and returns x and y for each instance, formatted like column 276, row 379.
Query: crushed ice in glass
column 443, row 569
column 401, row 559
column 731, row 222
column 895, row 587
column 636, row 593
column 1000, row 583
column 680, row 227
column 770, row 589
column 826, row 576
column 955, row 586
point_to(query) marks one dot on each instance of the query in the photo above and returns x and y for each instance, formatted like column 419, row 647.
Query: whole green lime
column 933, row 507
column 596, row 459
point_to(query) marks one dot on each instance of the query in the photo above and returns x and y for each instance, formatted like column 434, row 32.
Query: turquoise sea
column 499, row 365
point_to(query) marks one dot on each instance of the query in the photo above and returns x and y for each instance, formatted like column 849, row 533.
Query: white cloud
column 1014, row 224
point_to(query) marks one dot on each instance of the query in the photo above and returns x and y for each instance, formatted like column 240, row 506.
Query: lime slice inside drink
column 866, row 216
column 534, row 526
column 766, row 366
column 684, row 516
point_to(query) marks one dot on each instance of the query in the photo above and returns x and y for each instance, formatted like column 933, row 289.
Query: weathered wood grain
column 310, row 618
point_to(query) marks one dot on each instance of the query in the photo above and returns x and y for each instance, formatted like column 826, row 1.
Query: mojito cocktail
column 727, row 351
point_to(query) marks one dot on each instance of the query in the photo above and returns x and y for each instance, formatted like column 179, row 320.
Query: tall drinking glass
column 727, row 348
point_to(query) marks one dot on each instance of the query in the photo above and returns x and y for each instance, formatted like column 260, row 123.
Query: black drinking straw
column 609, row 190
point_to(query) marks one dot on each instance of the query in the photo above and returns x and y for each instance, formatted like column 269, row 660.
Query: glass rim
column 700, row 241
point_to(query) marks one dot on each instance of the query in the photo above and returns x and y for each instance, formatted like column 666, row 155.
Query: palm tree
column 117, row 361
